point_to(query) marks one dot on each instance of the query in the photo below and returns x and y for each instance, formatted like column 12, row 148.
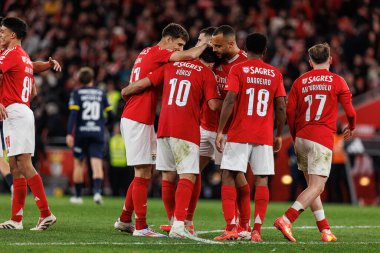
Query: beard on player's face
column 223, row 55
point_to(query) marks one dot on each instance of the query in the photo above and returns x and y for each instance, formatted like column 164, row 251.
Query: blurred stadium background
column 107, row 35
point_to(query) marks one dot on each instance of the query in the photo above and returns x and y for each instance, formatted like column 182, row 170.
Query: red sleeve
column 157, row 77
column 291, row 108
column 280, row 92
column 8, row 61
column 345, row 99
column 233, row 83
column 163, row 55
column 210, row 87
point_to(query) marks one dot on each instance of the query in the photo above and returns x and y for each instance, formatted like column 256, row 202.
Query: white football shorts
column 19, row 130
column 140, row 142
column 236, row 157
column 175, row 154
column 207, row 146
column 312, row 157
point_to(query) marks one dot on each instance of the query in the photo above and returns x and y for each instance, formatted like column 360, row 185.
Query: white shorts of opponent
column 207, row 146
column 19, row 130
column 175, row 154
column 312, row 157
column 236, row 157
column 140, row 142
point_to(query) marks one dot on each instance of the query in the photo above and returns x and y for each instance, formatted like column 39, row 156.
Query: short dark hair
column 226, row 30
column 208, row 55
column 256, row 43
column 319, row 53
column 16, row 25
column 175, row 31
column 86, row 75
column 208, row 31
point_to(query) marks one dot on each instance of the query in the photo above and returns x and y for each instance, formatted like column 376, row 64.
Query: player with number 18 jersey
column 257, row 84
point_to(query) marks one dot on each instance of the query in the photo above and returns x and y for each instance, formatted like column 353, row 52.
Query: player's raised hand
column 55, row 65
column 219, row 142
column 347, row 133
column 69, row 140
column 3, row 112
column 277, row 143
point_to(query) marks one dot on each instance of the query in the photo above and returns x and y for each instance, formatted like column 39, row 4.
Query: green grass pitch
column 89, row 228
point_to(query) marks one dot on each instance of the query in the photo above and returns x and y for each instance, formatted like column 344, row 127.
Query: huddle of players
column 252, row 92
column 194, row 84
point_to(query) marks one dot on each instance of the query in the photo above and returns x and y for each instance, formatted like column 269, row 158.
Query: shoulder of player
column 10, row 52
column 238, row 66
column 243, row 54
column 158, row 49
column 337, row 77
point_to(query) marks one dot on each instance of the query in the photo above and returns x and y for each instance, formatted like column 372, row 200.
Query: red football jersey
column 185, row 86
column 18, row 79
column 142, row 107
column 210, row 119
column 257, row 85
column 312, row 107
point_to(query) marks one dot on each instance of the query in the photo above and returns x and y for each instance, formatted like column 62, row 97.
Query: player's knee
column 261, row 180
column 228, row 177
column 170, row 176
column 188, row 176
column 144, row 171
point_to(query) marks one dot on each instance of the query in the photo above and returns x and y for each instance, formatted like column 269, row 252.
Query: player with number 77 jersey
column 312, row 112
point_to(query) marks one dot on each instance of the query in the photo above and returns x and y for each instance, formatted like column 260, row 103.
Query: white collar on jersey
column 233, row 58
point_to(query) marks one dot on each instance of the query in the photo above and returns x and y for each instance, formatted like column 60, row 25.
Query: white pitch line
column 300, row 227
column 176, row 243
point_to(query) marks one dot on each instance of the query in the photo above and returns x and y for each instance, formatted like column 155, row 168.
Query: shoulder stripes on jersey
column 74, row 107
column 7, row 51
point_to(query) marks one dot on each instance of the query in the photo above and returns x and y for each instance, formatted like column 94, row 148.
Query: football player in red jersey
column 38, row 66
column 186, row 84
column 312, row 111
column 224, row 44
column 18, row 88
column 254, row 88
column 137, row 125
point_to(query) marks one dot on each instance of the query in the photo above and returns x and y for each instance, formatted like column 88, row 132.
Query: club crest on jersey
column 304, row 81
column 245, row 70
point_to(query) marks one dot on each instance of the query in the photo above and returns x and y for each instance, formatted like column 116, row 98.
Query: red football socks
column 292, row 214
column 37, row 188
column 168, row 197
column 244, row 203
column 229, row 205
column 19, row 195
column 261, row 204
column 139, row 196
column 322, row 225
column 194, row 198
column 126, row 214
column 182, row 198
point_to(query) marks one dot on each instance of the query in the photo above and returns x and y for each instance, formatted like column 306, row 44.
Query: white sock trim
column 298, row 206
column 319, row 215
